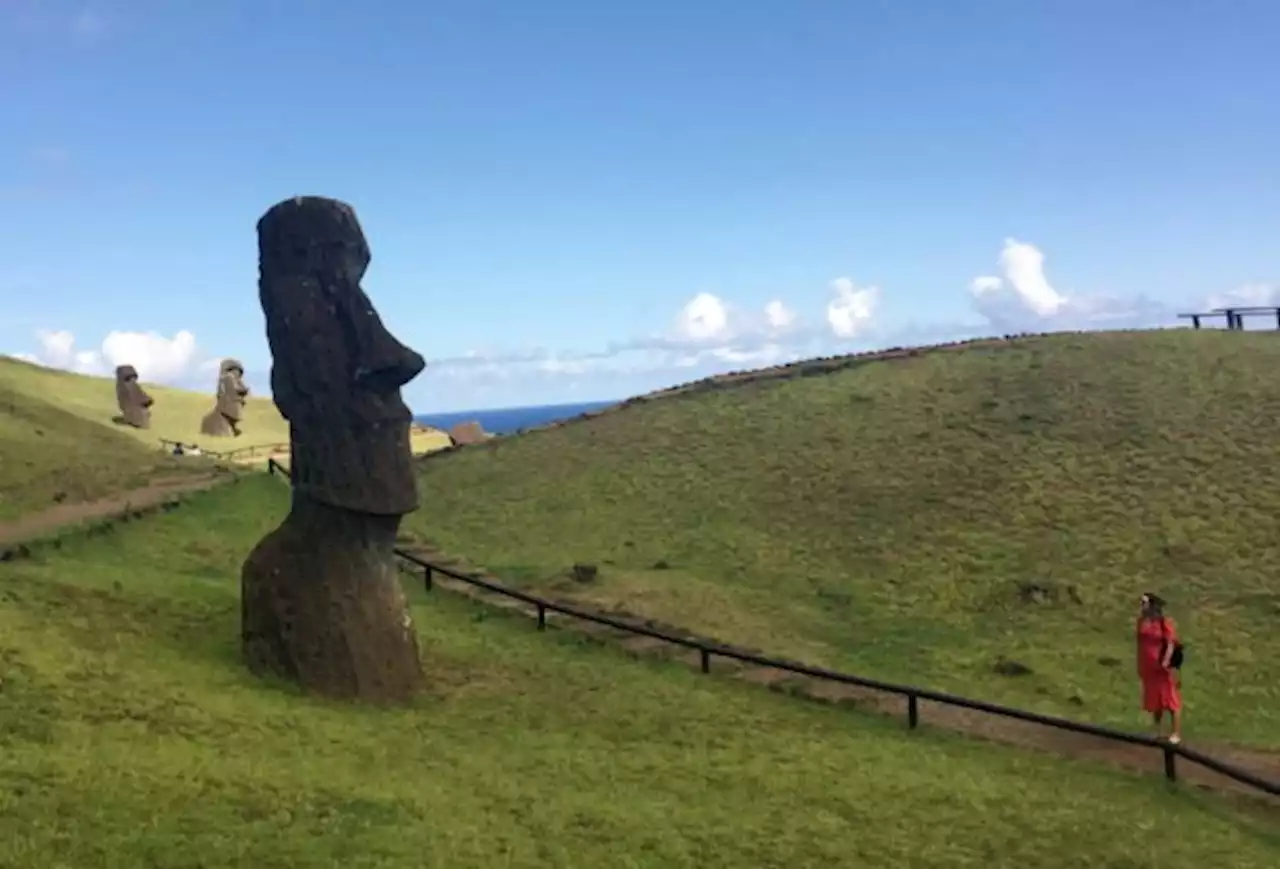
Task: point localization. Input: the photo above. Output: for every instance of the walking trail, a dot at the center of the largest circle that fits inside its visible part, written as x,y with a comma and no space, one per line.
33,526
969,722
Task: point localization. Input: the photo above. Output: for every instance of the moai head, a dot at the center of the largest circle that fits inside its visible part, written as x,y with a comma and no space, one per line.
133,400
336,371
232,390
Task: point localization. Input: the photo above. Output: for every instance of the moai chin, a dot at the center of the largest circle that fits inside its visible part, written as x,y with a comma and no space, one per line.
224,420
135,404
321,598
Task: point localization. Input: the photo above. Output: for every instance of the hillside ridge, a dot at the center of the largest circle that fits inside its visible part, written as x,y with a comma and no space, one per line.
814,366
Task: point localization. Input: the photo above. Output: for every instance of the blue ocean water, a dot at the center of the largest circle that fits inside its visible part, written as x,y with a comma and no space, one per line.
505,420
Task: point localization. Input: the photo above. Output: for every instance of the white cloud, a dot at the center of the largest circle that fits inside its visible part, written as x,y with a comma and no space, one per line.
57,350
1025,288
1024,299
778,316
706,333
704,318
852,308
1023,266
985,286
157,358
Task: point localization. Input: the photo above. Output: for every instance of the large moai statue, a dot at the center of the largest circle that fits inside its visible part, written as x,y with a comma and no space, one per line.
224,420
135,404
321,599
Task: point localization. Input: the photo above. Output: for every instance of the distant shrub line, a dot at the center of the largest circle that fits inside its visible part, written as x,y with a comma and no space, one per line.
708,649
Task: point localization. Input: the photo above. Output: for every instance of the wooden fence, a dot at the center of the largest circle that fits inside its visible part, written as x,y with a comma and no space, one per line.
708,650
259,450
229,455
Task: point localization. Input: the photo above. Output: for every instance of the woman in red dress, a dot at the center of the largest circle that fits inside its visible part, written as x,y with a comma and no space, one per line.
1156,638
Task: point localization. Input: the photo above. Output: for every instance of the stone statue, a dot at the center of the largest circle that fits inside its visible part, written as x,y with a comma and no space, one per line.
135,404
224,420
467,433
321,599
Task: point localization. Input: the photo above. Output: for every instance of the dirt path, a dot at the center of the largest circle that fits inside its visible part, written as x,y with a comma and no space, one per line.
158,491
975,724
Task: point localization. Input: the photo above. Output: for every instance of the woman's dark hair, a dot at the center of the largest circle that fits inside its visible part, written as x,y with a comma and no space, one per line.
1153,603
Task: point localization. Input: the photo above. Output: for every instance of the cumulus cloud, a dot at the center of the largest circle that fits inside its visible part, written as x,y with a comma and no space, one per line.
779,318
706,334
1025,288
1024,299
57,350
704,318
157,358
851,309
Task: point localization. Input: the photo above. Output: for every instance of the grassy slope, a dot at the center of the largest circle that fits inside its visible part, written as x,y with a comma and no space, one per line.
175,416
132,736
881,519
39,442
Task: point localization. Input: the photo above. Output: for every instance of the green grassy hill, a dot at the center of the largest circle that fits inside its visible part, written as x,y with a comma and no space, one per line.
922,519
50,456
131,735
175,416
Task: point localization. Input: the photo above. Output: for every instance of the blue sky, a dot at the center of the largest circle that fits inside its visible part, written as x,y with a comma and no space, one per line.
581,200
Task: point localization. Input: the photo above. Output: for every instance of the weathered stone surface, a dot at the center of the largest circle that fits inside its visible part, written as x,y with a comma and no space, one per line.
135,404
321,601
224,420
467,433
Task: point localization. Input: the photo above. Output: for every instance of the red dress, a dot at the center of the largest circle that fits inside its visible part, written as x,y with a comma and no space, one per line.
1159,686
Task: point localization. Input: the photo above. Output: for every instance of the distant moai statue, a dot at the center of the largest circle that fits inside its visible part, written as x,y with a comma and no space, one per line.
321,598
135,404
224,420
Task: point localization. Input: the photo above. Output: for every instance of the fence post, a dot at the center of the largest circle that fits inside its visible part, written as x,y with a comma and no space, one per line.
1170,763
913,711
542,616
706,659
426,576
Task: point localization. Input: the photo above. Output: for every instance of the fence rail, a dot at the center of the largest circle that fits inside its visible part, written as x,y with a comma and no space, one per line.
226,455
258,449
707,650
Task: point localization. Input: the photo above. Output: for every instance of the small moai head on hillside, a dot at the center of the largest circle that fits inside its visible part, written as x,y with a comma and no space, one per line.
135,404
232,390
336,370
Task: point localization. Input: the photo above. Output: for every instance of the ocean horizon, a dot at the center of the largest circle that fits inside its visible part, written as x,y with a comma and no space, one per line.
506,420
